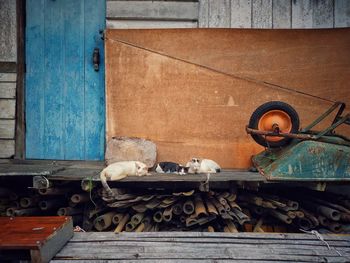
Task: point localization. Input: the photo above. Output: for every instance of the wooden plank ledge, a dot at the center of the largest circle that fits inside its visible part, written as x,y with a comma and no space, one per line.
76,171
42,236
203,247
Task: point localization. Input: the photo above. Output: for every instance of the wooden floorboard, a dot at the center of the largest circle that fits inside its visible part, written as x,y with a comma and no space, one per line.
204,247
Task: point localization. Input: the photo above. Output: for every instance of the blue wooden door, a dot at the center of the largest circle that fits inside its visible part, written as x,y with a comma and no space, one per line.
65,105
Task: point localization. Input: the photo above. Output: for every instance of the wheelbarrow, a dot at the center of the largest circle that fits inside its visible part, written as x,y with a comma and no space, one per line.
293,154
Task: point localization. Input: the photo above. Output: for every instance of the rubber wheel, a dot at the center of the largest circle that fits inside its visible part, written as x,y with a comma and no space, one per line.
270,113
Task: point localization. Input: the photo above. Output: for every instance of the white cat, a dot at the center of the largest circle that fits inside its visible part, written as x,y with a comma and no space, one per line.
119,170
202,166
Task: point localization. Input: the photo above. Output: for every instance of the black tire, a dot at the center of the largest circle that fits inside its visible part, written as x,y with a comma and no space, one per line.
266,107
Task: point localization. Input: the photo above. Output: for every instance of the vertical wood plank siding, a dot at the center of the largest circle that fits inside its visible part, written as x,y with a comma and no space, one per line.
8,77
219,13
281,14
8,31
228,14
152,14
241,13
7,114
342,13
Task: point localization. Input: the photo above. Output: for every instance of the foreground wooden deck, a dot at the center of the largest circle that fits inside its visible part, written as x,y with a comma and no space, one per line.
203,247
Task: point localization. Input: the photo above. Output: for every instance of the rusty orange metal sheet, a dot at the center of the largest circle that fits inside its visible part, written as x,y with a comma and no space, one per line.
192,91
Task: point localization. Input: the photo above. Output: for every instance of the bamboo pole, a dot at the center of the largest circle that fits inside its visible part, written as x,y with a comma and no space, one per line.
104,221
80,198
299,214
177,208
311,217
188,207
158,216
291,214
130,226
168,214
50,204
283,217
140,208
26,202
137,218
226,229
11,211
140,228
210,229
210,207
257,227
345,217
147,222
239,216
218,206
26,211
231,226
191,220
200,210
305,223
323,220
54,191
122,223
335,227
117,218
69,211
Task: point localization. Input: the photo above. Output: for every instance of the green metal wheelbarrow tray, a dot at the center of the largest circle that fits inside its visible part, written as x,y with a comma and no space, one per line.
303,155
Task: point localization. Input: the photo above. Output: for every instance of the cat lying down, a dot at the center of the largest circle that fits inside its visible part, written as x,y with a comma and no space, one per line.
196,166
170,167
119,170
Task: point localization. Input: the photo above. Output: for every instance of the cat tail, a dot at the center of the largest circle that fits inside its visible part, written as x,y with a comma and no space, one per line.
103,179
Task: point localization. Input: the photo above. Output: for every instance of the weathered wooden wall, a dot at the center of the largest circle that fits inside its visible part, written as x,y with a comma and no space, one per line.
197,101
8,37
8,57
228,14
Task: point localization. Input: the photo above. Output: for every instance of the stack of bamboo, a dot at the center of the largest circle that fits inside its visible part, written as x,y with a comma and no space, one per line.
183,211
52,201
286,210
221,211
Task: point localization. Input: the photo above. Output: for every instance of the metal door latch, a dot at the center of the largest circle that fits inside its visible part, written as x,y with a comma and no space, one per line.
96,58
